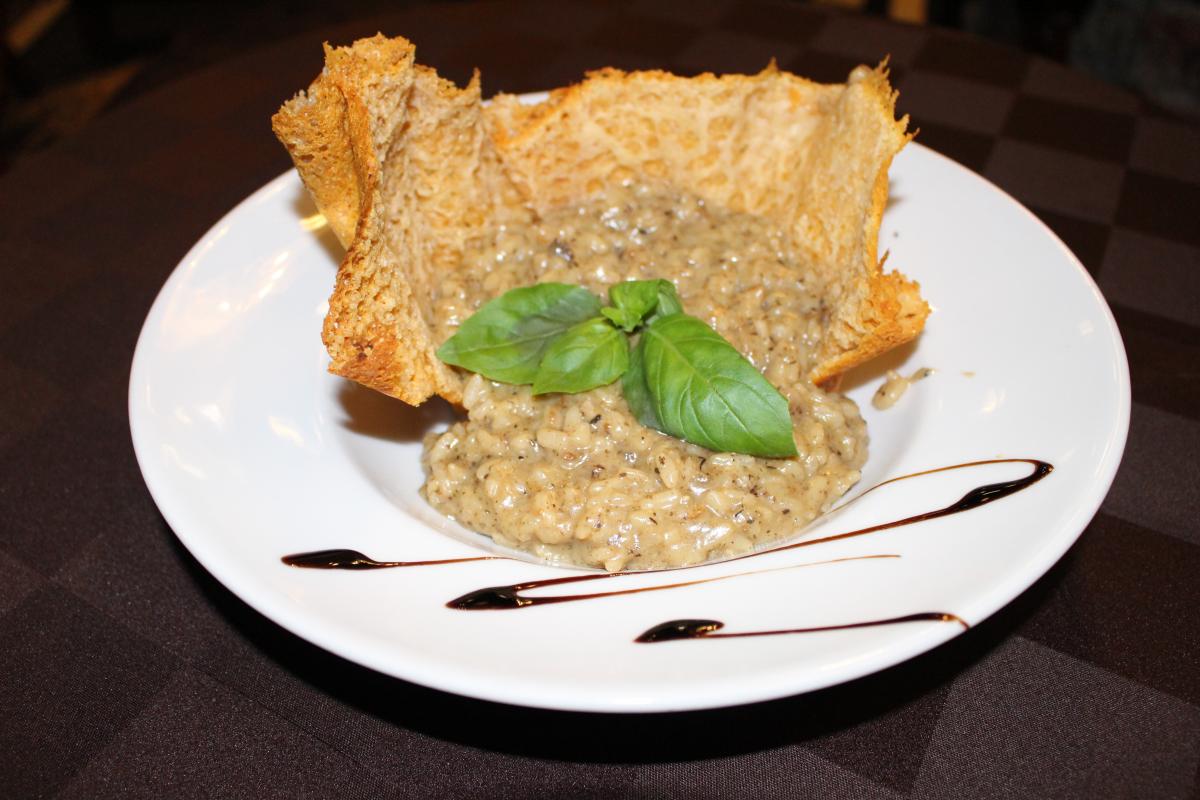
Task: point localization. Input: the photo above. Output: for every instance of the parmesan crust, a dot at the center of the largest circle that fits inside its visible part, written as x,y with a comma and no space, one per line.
406,167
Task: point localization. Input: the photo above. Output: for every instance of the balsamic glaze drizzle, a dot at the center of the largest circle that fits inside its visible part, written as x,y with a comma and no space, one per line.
979,496
706,628
352,559
495,598
511,597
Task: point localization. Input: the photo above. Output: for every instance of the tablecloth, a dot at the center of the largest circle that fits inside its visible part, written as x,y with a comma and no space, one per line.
127,671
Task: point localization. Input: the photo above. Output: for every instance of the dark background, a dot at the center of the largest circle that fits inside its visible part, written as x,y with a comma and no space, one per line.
126,670
64,63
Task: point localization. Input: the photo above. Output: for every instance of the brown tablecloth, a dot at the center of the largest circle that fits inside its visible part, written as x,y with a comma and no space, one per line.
126,670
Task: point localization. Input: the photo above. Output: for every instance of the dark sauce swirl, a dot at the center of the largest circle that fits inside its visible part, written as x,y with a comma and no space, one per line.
352,559
496,598
979,496
678,629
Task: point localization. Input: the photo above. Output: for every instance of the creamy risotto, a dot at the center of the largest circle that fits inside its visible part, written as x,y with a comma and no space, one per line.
576,478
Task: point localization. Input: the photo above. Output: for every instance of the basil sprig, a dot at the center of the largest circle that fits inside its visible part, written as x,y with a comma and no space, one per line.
681,378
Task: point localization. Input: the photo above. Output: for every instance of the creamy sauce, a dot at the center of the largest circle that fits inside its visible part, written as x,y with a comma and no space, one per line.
575,478
895,386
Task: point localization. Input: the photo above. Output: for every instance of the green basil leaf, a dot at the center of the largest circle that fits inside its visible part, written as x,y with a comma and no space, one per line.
706,392
636,299
591,354
668,300
623,318
506,338
633,386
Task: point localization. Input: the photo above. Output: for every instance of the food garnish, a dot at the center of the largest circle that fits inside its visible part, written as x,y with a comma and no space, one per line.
683,378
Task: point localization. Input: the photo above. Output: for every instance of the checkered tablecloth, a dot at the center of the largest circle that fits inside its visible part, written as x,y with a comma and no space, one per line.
127,671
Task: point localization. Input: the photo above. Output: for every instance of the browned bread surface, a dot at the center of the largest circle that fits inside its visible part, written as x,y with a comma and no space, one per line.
400,163
406,166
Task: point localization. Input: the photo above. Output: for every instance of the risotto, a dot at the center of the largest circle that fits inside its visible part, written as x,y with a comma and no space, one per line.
576,478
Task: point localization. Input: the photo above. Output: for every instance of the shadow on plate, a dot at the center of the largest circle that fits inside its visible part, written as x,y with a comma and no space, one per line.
371,413
305,208
875,370
862,720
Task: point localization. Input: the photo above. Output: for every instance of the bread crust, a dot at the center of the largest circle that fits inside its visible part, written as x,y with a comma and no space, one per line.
406,166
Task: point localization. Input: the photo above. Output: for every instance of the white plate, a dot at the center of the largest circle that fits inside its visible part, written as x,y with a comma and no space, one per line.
252,451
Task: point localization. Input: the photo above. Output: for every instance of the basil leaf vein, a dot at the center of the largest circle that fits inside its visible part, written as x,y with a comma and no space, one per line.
704,391
506,338
592,353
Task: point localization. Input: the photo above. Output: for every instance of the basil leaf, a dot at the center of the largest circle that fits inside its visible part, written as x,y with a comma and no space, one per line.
635,300
706,392
506,338
633,386
591,354
623,318
668,300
